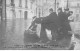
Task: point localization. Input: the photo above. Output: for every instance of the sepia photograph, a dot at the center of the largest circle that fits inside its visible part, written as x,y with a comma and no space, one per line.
39,24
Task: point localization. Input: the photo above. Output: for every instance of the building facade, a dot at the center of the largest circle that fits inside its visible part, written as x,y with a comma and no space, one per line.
17,9
73,5
29,8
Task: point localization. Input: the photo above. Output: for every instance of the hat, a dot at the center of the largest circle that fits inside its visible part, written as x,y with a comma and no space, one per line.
67,9
34,17
51,9
59,8
70,11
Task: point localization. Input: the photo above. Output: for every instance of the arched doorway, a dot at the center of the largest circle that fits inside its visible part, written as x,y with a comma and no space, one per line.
25,15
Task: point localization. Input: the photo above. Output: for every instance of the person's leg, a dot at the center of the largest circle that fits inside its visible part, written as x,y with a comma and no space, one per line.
54,35
48,32
38,30
43,36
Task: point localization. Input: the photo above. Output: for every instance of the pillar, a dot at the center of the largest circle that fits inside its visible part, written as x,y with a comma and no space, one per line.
20,3
3,10
26,3
0,9
13,9
67,4
20,13
55,5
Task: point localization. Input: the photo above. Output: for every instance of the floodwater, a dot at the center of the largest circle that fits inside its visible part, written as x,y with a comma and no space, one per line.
12,34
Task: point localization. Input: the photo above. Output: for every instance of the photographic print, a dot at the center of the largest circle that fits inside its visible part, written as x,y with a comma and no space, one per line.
39,24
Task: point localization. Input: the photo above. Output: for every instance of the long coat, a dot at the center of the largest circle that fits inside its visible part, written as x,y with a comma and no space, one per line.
51,23
64,23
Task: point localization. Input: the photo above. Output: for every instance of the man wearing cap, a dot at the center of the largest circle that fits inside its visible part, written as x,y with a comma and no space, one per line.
61,19
50,23
60,16
66,26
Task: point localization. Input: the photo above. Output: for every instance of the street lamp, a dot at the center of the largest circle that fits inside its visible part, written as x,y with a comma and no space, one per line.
20,3
39,12
32,1
67,3
55,5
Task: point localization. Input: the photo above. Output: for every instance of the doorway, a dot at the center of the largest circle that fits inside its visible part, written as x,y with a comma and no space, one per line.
25,15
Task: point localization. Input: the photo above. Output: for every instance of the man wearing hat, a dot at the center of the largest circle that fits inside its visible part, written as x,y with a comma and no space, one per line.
61,19
63,22
67,14
66,26
60,15
49,23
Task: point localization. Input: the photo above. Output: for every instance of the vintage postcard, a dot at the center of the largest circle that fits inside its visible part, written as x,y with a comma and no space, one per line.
39,24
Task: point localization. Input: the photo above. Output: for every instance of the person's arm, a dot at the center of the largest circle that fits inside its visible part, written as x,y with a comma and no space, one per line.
31,26
70,18
45,19
68,15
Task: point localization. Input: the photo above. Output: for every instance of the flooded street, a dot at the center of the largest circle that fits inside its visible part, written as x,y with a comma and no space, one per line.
39,24
12,32
13,36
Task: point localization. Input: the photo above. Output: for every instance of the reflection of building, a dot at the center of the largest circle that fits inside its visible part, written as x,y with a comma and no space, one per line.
16,8
2,9
39,8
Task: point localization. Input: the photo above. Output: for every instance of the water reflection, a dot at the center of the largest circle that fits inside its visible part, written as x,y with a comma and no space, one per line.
13,34
2,33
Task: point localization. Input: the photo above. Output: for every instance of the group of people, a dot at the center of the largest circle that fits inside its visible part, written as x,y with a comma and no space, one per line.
57,24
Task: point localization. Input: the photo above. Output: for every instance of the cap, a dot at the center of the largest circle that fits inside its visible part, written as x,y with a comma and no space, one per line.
51,9
59,8
67,9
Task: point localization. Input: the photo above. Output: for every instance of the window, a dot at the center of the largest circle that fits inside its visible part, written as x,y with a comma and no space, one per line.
78,4
25,3
20,3
0,2
12,2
